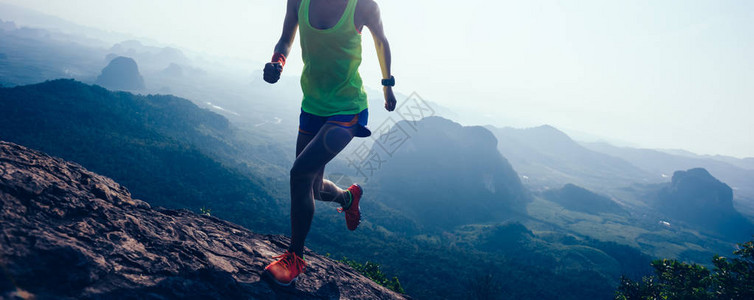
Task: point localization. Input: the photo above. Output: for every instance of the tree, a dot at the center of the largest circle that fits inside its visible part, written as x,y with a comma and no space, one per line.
730,279
485,287
735,277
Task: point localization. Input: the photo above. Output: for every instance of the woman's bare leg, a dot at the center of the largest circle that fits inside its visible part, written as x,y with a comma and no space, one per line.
306,172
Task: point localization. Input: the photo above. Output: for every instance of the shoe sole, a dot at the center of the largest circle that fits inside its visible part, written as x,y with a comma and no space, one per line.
269,276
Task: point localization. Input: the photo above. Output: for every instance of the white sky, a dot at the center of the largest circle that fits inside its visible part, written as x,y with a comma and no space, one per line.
655,73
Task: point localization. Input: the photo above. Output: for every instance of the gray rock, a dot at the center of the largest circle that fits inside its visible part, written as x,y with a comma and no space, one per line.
66,232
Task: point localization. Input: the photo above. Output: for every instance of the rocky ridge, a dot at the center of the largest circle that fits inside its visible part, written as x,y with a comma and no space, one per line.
66,232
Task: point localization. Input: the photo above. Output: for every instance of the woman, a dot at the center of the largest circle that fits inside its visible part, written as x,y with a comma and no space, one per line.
333,111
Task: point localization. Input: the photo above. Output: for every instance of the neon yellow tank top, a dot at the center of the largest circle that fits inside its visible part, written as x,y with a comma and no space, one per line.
330,81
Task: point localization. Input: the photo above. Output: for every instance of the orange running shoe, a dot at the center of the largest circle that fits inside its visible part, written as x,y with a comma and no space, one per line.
353,212
286,270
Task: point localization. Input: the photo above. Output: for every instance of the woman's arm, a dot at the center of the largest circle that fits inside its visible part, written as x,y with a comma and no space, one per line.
289,29
273,69
374,23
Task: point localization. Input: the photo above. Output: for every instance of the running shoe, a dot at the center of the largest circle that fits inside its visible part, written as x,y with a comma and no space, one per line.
286,269
353,212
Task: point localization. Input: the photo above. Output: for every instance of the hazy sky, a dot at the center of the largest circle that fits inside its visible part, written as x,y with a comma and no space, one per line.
658,74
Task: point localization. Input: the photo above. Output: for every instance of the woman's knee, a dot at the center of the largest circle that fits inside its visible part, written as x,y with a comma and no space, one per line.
299,173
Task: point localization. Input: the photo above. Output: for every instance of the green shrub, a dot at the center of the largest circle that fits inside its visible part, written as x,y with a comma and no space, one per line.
205,211
730,279
372,271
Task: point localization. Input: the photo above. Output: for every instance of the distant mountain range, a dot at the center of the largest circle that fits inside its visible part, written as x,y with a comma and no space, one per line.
659,163
170,152
662,163
547,158
31,55
744,163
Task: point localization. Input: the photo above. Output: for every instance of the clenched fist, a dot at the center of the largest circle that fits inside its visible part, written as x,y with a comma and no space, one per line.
272,72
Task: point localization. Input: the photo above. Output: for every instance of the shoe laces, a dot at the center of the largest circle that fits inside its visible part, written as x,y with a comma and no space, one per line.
290,260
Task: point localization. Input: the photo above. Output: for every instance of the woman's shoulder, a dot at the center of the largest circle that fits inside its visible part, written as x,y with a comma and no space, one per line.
366,5
366,10
294,3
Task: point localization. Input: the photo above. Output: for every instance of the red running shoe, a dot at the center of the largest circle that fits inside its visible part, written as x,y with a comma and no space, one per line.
286,270
353,213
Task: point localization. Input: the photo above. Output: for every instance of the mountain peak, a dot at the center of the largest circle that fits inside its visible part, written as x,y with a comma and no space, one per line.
121,73
70,233
697,173
551,132
697,182
457,176
547,127
696,197
540,136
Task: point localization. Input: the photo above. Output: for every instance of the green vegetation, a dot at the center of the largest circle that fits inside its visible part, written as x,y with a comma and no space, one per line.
164,149
579,199
524,265
640,229
730,279
372,271
205,211
485,287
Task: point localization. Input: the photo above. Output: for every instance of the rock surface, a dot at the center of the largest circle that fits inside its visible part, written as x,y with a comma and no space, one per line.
66,232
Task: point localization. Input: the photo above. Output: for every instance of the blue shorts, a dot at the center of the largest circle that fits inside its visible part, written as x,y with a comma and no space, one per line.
310,124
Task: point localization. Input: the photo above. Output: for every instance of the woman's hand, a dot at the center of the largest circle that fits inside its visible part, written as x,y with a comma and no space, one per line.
272,72
389,98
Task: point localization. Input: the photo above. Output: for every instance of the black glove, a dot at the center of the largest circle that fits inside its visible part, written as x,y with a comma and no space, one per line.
272,72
